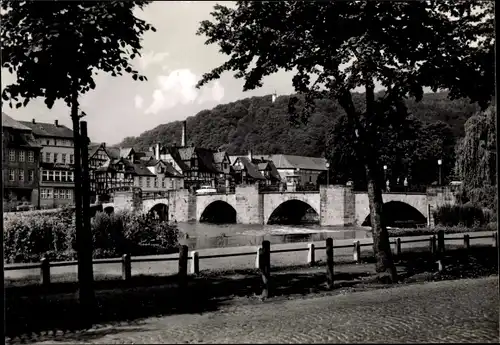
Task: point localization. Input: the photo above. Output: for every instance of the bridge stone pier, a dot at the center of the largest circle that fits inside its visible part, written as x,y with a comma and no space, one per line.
333,204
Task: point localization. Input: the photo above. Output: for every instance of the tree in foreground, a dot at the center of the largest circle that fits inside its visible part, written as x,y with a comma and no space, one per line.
55,49
334,47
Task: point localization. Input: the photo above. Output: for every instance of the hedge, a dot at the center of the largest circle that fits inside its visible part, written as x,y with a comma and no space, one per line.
28,238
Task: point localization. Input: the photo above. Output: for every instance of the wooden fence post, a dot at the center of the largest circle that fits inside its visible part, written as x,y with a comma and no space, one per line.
45,271
467,241
126,267
432,244
357,252
329,263
265,267
440,238
310,255
398,247
183,265
195,262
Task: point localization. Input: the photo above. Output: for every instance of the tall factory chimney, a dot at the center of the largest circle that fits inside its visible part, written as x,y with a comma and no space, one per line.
184,139
157,151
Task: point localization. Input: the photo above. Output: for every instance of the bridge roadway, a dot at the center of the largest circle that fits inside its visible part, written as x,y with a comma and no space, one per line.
446,311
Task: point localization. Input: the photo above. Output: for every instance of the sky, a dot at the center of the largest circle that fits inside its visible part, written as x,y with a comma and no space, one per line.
173,59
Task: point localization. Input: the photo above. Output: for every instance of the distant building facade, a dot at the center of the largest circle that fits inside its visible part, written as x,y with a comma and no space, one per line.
20,173
56,163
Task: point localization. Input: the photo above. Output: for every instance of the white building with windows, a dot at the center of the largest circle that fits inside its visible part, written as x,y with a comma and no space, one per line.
56,163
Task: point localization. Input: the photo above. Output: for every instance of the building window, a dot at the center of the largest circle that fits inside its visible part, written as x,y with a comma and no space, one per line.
71,176
43,193
56,193
55,157
310,178
163,183
47,142
63,159
31,175
12,155
71,159
22,156
12,174
49,193
148,182
45,175
31,156
21,175
51,175
69,193
156,182
47,157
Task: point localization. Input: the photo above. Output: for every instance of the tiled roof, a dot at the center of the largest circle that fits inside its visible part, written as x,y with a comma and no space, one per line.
125,152
9,122
219,156
206,160
186,153
113,152
141,170
49,129
296,162
170,170
251,168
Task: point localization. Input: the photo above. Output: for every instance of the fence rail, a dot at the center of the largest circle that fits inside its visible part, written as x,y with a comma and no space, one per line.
436,244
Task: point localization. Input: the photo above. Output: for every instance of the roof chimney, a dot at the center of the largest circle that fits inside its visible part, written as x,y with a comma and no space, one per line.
157,151
104,145
56,123
184,139
33,121
250,155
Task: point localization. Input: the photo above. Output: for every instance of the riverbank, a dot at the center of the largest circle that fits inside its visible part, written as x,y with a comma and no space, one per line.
145,296
294,258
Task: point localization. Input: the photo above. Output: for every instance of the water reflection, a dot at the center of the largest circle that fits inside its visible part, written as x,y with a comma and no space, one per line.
206,235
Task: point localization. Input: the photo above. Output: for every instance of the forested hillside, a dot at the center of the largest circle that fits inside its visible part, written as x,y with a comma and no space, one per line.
258,124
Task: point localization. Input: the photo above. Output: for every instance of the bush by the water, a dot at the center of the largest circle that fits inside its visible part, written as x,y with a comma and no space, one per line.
28,238
466,215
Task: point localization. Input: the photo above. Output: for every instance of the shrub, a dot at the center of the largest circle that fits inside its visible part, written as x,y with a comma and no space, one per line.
467,215
28,238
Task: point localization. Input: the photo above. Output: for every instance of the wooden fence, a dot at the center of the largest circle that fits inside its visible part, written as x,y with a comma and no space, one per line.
262,260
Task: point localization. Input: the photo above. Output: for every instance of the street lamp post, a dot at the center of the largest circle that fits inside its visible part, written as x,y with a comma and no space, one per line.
385,174
440,162
327,173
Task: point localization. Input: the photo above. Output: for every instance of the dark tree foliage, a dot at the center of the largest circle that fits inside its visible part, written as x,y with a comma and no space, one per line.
410,152
334,47
55,49
272,132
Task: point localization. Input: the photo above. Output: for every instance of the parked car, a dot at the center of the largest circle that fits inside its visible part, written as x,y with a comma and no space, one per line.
25,206
206,190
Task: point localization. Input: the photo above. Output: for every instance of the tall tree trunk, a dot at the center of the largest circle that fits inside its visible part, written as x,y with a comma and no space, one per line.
84,272
381,245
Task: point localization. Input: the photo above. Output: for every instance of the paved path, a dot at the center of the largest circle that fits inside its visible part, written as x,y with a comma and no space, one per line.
448,311
241,262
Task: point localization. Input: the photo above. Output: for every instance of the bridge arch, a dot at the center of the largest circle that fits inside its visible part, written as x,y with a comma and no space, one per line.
109,209
399,214
218,212
159,211
294,212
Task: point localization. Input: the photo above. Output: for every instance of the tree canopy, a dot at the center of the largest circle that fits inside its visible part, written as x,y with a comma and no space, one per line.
50,45
258,124
334,47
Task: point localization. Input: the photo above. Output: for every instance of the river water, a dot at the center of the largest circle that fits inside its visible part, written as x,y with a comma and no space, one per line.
208,235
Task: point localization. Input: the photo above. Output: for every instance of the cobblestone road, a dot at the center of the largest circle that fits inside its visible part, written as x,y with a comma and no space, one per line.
448,311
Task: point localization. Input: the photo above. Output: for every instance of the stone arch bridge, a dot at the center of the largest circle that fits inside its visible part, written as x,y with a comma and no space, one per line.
333,205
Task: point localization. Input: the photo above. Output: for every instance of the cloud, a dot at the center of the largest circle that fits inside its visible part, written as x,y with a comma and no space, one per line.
138,100
179,87
152,58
